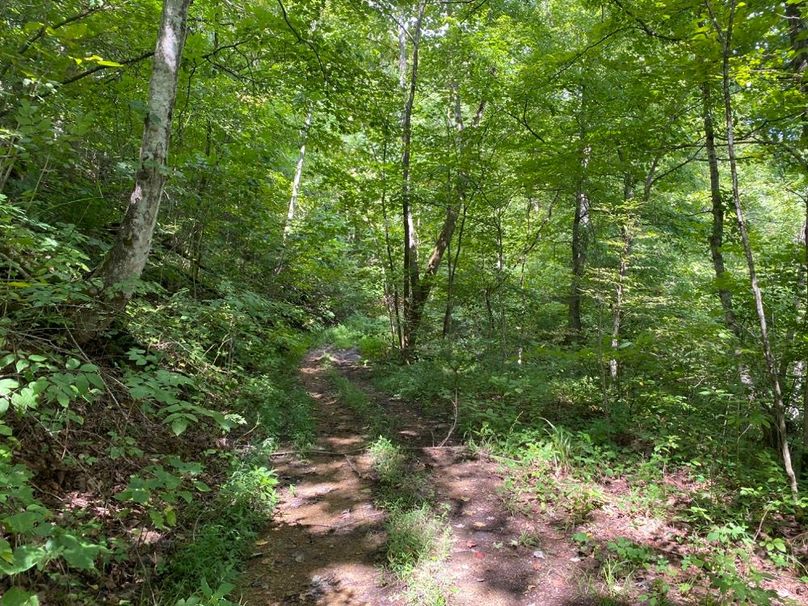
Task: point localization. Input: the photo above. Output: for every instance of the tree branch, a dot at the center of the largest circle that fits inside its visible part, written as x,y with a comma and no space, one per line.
302,40
99,68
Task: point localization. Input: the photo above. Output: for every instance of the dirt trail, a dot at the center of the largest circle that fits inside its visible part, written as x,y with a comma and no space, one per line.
326,544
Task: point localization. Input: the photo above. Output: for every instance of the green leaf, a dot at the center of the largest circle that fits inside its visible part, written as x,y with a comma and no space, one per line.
6,552
31,26
26,398
179,425
7,386
23,522
25,558
78,553
157,519
19,597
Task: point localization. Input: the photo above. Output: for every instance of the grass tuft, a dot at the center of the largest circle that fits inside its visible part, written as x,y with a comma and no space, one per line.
419,541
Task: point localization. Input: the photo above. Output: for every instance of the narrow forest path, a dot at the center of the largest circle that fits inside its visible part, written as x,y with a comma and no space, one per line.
326,545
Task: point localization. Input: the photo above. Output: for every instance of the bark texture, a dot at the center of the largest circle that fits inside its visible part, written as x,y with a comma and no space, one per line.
627,239
717,243
298,176
124,263
417,287
779,411
411,278
580,233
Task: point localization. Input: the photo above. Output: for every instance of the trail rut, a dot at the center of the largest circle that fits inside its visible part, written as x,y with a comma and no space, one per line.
326,543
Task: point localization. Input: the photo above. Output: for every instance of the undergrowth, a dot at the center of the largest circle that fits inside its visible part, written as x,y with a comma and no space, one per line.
134,469
418,533
723,529
223,534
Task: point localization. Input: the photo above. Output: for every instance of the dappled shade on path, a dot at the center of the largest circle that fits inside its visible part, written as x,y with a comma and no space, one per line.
326,544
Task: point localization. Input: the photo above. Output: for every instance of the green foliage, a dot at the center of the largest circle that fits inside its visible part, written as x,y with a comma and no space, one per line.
225,532
153,385
418,543
180,366
388,461
36,541
159,490
416,535
367,334
522,110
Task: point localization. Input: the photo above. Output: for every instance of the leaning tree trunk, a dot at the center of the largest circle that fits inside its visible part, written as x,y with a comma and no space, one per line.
422,286
768,355
124,263
298,176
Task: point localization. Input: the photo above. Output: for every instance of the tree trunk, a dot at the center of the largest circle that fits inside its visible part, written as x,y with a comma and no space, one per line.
580,240
717,243
421,289
391,289
416,288
580,234
301,156
799,44
627,238
200,216
799,65
717,233
410,286
447,315
771,364
124,263
804,467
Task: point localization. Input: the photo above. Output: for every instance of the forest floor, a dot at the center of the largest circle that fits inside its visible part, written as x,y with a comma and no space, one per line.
331,541
327,542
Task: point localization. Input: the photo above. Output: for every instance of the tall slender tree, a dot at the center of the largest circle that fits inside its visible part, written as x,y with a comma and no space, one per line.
123,264
725,37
